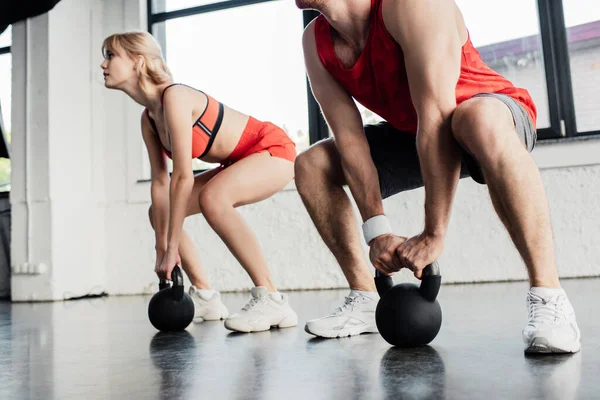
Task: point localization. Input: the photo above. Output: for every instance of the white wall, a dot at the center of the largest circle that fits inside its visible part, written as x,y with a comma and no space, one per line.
88,212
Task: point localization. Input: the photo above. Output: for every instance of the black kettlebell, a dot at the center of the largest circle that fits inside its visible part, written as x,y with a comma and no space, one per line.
408,315
171,309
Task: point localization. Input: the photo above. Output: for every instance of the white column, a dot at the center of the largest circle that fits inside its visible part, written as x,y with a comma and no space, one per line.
58,154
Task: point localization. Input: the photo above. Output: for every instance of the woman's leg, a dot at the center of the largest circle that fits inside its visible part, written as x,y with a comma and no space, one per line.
250,180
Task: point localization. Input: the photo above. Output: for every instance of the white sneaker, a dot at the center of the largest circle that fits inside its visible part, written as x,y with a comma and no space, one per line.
552,327
355,316
263,311
207,308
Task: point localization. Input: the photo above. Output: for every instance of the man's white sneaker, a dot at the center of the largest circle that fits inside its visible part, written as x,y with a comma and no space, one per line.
263,311
355,316
208,306
552,327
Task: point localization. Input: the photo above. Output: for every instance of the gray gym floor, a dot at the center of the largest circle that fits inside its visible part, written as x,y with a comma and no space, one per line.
105,348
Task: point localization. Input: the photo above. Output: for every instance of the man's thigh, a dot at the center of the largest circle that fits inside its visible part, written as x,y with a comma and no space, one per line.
395,156
523,127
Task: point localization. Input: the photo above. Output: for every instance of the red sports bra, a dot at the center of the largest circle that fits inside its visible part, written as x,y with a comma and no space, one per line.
204,130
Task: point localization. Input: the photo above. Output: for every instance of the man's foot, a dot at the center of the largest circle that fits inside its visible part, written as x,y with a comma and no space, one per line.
263,311
355,316
552,327
208,305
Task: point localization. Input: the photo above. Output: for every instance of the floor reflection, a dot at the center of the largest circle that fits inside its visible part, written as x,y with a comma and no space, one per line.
417,373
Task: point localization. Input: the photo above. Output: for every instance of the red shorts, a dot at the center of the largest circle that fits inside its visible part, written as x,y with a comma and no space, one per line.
262,136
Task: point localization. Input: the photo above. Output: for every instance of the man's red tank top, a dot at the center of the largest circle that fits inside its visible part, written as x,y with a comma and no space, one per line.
378,80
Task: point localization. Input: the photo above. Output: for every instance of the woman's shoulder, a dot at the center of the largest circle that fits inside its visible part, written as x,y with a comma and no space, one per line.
181,94
174,91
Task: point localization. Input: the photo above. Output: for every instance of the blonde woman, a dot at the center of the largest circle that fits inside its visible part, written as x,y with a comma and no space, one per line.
256,161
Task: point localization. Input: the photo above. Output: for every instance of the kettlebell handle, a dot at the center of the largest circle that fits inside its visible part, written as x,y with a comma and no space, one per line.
430,282
383,283
432,269
177,289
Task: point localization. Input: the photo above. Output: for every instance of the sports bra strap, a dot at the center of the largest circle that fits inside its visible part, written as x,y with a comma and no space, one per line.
162,96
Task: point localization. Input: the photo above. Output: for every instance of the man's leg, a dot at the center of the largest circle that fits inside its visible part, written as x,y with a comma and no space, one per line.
484,127
489,130
320,181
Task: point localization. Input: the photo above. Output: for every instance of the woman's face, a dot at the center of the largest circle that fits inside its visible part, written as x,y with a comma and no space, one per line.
117,69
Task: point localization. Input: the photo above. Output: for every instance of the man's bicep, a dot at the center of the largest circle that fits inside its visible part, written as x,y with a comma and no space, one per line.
428,34
337,105
339,110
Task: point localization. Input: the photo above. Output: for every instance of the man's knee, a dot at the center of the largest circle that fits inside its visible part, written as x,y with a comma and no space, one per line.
320,162
483,127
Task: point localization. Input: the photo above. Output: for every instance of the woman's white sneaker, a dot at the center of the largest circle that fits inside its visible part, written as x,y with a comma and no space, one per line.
263,311
208,305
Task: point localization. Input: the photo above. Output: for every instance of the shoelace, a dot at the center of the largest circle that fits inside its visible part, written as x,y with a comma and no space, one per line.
349,303
549,310
253,301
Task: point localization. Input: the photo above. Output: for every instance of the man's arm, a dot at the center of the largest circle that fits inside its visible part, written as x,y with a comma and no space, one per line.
429,36
345,121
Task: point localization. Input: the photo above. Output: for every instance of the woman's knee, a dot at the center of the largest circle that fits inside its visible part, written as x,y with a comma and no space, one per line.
213,204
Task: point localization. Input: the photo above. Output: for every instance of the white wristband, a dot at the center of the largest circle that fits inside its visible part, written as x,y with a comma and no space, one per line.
376,226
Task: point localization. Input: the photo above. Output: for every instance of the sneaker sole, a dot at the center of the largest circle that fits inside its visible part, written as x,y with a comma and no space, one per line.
287,322
212,317
334,334
541,346
199,320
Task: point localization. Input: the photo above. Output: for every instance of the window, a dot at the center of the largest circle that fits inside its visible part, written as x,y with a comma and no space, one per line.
174,5
5,104
509,42
368,116
5,89
259,73
6,38
582,19
551,51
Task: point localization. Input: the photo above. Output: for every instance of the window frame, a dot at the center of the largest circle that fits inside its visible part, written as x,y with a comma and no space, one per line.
4,146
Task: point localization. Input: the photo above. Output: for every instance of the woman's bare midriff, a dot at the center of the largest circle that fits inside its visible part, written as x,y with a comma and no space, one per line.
228,136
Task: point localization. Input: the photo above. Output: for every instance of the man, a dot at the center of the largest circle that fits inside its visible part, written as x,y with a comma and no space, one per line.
412,62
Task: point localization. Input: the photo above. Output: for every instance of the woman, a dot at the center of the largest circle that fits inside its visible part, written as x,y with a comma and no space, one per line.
256,161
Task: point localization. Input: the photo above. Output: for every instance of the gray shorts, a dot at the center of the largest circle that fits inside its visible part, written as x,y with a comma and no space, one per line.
395,156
